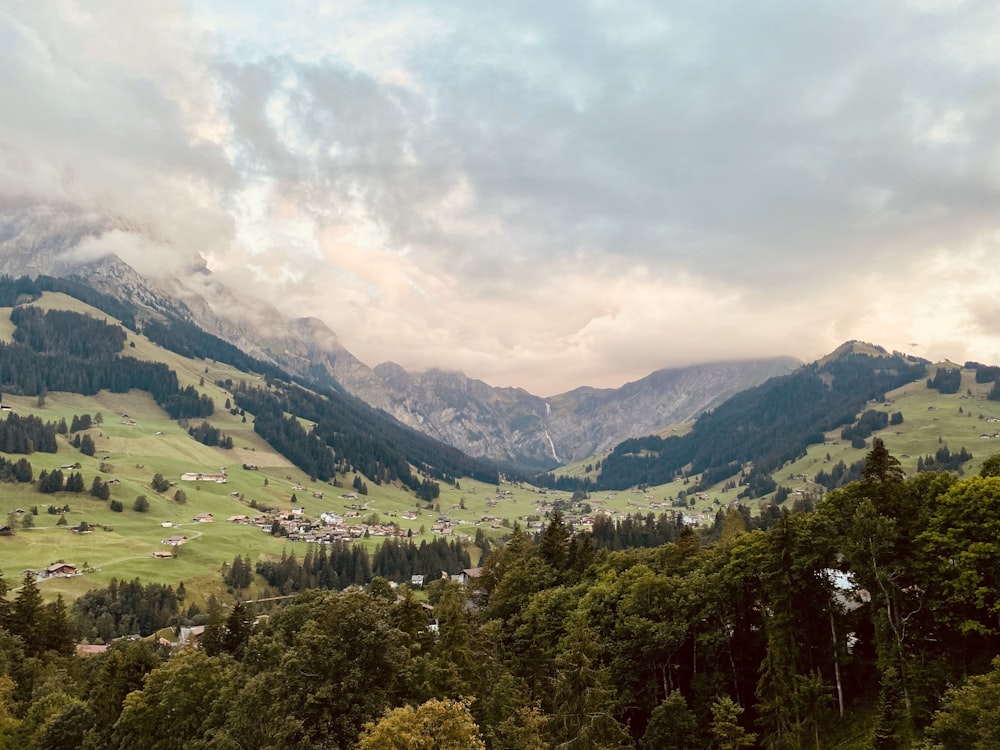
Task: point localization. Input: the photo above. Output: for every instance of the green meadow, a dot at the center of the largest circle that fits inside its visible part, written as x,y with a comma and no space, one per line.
135,440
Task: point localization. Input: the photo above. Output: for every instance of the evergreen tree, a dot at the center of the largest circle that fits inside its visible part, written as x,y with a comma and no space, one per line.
25,618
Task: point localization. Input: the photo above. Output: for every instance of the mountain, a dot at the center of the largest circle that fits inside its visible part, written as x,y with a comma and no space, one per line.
760,429
508,425
512,425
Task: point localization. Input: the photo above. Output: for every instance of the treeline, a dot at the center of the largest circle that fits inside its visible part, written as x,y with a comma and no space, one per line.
399,560
946,380
944,460
21,290
870,421
332,567
635,531
207,434
68,333
26,434
126,608
767,425
16,471
30,372
839,475
360,438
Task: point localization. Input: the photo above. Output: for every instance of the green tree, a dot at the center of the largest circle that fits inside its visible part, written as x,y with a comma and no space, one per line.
433,725
990,467
672,726
121,671
178,705
100,489
26,615
582,698
239,625
317,672
725,729
141,504
969,717
159,484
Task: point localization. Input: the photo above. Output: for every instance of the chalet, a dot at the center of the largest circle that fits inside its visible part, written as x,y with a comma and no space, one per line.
62,570
204,518
173,541
470,574
161,554
191,635
416,580
239,519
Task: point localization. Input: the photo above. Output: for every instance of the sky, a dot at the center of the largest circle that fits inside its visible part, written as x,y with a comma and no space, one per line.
540,194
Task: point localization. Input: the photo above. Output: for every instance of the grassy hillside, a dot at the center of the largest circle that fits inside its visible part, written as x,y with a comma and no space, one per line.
136,439
930,420
132,448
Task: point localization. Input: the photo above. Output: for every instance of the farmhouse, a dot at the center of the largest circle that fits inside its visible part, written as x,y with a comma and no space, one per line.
162,553
470,574
61,569
175,540
204,518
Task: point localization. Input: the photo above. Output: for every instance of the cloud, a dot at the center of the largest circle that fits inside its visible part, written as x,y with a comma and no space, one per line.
543,195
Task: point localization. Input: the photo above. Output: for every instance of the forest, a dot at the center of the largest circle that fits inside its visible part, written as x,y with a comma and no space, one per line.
869,621
66,351
361,439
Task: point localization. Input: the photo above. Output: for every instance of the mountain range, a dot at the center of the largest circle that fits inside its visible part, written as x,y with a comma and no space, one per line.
507,425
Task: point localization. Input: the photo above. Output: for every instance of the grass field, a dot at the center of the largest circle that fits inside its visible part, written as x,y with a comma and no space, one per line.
132,448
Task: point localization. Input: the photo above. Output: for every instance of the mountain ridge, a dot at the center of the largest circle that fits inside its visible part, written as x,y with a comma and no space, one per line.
509,425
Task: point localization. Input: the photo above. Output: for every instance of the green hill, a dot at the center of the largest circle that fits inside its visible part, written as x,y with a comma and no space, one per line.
134,439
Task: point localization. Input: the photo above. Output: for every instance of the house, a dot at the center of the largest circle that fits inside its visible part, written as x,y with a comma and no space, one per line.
416,580
191,635
161,554
239,519
204,518
173,541
61,569
470,574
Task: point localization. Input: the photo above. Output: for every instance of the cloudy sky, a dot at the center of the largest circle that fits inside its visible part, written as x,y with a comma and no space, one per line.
543,194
